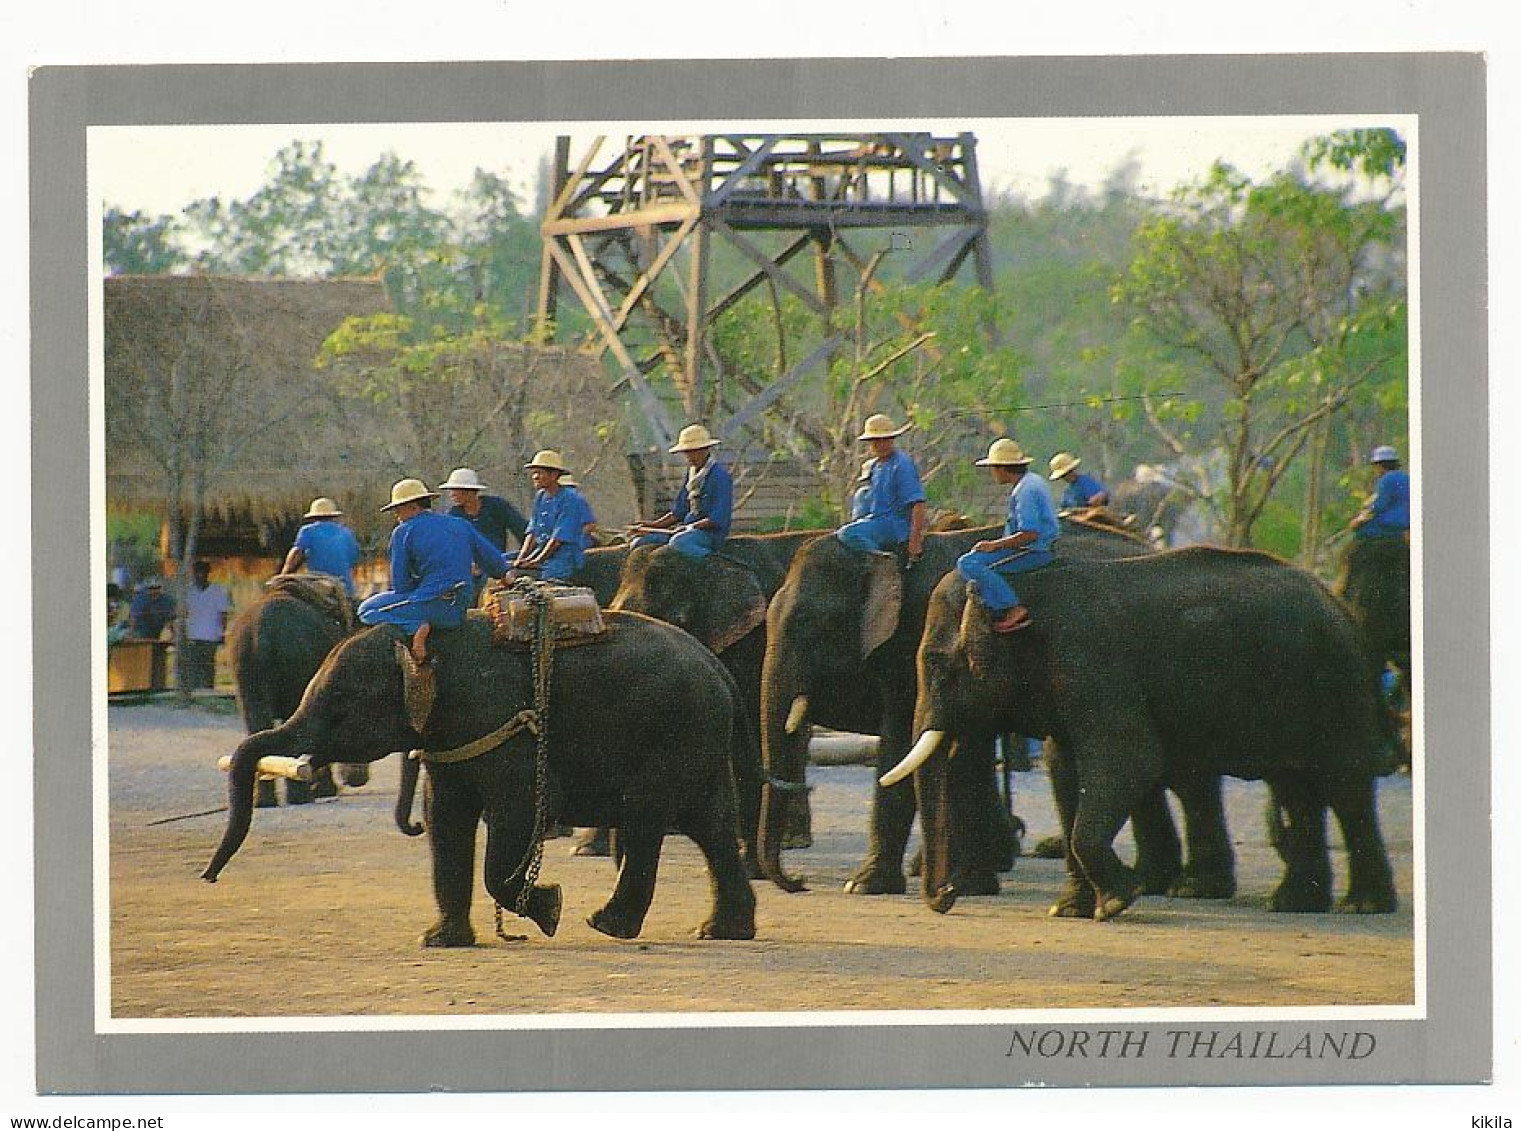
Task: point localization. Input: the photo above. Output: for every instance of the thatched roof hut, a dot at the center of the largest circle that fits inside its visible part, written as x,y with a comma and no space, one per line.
222,375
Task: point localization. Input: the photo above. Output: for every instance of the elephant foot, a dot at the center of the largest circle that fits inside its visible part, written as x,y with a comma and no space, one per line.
1157,881
980,881
916,864
873,879
297,793
1112,903
728,927
1050,848
943,900
1300,898
355,775
591,842
1357,903
323,787
544,904
1202,885
264,795
449,932
612,923
1077,901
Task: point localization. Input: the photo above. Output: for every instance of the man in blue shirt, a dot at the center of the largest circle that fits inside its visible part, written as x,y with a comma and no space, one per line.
1387,513
325,545
588,517
432,556
150,611
492,515
895,513
555,545
1028,535
1083,490
699,518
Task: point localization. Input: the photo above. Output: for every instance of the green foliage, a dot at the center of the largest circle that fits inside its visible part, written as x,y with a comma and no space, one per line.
136,244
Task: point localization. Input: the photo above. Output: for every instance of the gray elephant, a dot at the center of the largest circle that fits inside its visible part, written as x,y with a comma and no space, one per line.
276,646
722,600
1374,582
842,633
1169,669
642,734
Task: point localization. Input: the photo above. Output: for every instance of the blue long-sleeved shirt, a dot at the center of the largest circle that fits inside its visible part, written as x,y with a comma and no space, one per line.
558,516
1030,509
331,548
895,488
1390,507
432,553
1082,488
715,502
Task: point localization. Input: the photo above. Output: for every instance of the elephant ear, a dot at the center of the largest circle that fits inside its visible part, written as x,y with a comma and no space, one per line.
419,687
884,603
737,605
976,632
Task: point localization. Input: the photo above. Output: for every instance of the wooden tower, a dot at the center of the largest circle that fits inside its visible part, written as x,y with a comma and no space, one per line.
660,240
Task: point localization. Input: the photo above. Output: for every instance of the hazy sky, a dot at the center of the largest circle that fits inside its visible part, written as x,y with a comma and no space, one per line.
160,169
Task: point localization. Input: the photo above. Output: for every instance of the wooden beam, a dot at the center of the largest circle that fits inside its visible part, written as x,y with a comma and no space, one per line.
768,395
750,284
648,276
915,154
668,159
945,250
553,213
653,216
732,179
771,269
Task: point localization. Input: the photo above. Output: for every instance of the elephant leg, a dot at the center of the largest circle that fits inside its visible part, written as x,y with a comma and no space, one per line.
733,915
1111,779
1158,851
354,774
509,831
1211,869
622,916
265,796
453,810
1297,819
323,784
892,818
982,837
1370,889
1078,899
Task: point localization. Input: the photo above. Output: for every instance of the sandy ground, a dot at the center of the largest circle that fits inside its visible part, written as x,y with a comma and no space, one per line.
321,912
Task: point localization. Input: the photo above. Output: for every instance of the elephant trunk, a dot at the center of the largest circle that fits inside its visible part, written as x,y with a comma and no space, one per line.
928,761
410,766
784,752
240,794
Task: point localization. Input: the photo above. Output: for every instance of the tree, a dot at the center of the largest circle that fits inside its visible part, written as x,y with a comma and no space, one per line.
136,244
1288,296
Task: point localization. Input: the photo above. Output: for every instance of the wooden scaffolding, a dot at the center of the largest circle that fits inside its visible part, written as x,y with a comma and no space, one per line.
638,240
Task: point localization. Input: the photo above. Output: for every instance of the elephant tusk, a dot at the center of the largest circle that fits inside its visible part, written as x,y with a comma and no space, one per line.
797,714
272,766
919,755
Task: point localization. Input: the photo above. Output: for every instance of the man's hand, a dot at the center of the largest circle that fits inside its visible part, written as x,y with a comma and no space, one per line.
985,547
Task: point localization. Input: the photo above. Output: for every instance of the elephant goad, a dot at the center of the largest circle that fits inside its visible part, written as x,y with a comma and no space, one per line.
842,634
643,732
276,646
1169,669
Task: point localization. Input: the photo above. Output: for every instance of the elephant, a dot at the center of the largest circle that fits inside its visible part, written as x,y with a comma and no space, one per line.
842,633
276,646
1374,582
642,734
721,600
1173,668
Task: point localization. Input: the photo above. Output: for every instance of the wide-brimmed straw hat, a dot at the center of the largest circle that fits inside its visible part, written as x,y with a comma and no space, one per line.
462,479
693,438
408,491
1063,462
1384,454
881,427
1005,453
547,460
322,507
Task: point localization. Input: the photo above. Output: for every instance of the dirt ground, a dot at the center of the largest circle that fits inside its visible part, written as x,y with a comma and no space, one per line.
321,911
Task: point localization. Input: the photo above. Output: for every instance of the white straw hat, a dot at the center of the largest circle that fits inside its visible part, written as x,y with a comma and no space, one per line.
694,437
462,479
1063,462
408,491
547,460
881,427
1005,453
322,507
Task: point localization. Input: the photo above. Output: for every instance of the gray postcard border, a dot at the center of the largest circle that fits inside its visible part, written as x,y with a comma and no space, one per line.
1446,91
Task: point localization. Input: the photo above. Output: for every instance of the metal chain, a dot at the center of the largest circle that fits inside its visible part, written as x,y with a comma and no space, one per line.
543,669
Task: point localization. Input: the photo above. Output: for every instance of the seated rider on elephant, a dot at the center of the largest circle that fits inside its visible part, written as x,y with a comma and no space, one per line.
325,545
555,545
1029,533
895,513
431,559
699,518
1083,490
1387,513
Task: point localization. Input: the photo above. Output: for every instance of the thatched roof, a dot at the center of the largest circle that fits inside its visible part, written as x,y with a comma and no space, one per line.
222,373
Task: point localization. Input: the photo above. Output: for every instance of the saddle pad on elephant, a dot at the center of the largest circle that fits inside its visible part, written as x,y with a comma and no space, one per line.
573,612
325,594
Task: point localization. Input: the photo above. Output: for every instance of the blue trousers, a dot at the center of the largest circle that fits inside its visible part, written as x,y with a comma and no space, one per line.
689,543
872,534
390,607
989,571
561,566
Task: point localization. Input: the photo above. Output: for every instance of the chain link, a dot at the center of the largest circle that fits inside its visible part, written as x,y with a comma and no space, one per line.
538,595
